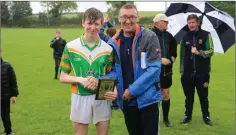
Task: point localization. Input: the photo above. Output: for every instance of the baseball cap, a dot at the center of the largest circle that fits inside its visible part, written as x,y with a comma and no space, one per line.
160,17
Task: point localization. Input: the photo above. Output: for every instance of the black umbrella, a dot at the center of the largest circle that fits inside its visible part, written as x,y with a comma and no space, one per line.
217,22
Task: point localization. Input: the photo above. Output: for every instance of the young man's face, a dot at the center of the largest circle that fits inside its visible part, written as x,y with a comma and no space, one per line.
92,28
58,34
128,18
193,24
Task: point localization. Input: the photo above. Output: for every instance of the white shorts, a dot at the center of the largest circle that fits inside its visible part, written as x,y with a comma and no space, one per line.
85,109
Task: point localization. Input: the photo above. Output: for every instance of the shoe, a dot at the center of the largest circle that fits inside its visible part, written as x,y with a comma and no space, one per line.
114,107
207,121
186,120
10,134
168,123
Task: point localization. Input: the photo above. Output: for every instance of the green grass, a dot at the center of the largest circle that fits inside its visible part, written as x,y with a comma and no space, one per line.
43,106
72,15
141,14
149,13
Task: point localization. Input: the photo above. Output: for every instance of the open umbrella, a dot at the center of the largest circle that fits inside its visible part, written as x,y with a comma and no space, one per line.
217,22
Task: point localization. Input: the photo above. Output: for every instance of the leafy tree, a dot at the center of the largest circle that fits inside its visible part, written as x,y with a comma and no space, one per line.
113,11
19,12
4,12
57,8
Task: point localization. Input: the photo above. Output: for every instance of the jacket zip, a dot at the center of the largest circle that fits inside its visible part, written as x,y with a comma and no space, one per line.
163,51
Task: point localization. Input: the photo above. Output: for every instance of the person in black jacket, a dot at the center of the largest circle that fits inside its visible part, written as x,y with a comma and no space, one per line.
168,56
196,49
9,91
58,45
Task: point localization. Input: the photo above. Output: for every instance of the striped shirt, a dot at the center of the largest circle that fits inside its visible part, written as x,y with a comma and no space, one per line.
86,61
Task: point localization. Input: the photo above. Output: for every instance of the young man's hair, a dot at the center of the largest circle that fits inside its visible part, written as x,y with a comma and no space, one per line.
93,14
193,16
58,31
111,31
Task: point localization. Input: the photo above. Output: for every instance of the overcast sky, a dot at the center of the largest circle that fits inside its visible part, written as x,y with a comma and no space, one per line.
82,6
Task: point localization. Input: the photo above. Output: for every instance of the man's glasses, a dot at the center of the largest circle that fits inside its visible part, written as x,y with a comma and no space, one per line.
131,18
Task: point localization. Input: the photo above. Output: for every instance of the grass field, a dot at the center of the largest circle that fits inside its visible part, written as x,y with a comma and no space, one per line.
141,14
43,106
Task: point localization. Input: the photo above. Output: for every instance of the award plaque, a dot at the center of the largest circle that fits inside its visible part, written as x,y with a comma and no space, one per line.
104,85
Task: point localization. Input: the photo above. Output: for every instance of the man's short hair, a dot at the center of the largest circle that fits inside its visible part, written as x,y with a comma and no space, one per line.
93,14
193,16
111,31
129,6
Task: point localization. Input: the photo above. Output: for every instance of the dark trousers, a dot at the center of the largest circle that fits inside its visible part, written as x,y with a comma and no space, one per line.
57,65
5,114
142,122
201,82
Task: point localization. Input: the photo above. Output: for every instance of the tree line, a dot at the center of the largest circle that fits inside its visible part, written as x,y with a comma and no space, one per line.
19,13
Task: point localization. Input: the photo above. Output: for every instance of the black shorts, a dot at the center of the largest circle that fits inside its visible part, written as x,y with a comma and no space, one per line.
166,81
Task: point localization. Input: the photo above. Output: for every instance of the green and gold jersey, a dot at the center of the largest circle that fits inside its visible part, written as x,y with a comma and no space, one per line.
86,61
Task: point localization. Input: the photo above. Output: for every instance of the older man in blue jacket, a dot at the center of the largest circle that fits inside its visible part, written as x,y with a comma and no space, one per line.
137,70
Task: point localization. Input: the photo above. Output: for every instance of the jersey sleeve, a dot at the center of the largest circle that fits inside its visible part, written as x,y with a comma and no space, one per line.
65,65
209,48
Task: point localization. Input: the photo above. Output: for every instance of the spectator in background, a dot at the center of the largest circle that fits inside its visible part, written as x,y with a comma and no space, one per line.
9,92
111,31
58,44
196,50
168,56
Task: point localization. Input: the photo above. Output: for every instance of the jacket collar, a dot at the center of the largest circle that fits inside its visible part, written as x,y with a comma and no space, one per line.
158,31
195,32
138,29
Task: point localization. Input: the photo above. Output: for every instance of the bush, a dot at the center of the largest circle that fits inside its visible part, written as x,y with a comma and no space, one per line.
41,20
146,20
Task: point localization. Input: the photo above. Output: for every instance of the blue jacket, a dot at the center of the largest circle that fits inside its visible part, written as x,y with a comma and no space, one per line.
146,86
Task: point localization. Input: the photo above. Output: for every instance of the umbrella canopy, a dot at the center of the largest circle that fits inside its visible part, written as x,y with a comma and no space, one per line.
217,22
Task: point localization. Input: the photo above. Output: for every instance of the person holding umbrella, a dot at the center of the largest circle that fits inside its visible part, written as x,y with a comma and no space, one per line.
196,49
168,56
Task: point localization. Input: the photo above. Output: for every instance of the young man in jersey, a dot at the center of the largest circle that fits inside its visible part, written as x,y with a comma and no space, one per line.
90,58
